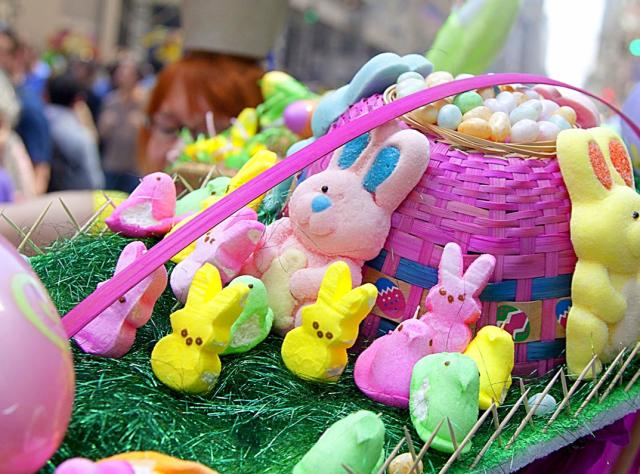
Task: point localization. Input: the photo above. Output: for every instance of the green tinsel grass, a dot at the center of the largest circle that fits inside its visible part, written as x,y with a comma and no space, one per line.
260,418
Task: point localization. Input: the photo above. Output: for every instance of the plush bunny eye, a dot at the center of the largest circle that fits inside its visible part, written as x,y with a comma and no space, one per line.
442,291
635,215
461,297
324,189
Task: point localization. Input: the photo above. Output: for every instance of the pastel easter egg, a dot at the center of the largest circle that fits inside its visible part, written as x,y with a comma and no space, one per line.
467,101
438,77
449,117
524,131
546,406
514,321
500,126
487,93
36,372
520,97
507,100
390,298
297,117
496,106
531,94
560,121
429,113
548,108
402,464
409,75
522,112
567,113
483,112
548,131
409,86
475,127
535,104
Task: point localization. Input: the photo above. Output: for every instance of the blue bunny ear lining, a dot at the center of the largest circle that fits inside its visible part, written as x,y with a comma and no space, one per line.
383,166
352,151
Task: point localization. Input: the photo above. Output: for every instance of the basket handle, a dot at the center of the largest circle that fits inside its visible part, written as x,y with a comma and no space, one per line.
163,251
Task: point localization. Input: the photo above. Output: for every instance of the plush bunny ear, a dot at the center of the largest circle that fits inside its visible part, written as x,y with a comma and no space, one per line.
619,161
336,282
356,155
479,272
205,285
357,303
396,168
583,165
450,267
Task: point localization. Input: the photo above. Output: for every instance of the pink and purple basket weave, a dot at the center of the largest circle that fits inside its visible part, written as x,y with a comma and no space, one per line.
513,208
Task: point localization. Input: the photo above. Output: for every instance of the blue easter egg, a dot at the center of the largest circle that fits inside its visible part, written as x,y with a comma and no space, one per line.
523,112
449,117
410,75
560,122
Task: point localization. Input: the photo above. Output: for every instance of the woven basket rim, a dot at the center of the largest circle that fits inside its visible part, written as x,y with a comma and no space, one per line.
535,150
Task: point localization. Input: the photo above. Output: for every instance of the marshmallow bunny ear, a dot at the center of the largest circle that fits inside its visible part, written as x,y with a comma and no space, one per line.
228,306
336,282
479,272
358,302
205,285
450,267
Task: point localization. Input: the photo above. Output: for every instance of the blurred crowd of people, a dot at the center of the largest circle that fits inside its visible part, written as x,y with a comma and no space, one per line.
69,129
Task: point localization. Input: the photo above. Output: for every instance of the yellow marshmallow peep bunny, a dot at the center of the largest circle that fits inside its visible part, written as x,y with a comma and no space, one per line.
187,360
317,350
605,232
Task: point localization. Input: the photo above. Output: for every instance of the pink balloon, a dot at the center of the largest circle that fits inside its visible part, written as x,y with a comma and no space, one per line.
36,369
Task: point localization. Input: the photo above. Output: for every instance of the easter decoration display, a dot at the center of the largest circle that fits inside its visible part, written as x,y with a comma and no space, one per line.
148,211
453,304
187,360
227,247
113,332
192,201
254,323
444,386
604,316
493,352
131,463
317,349
366,181
355,441
383,370
36,373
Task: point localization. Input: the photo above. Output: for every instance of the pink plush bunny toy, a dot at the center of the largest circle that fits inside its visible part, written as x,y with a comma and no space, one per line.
342,213
453,303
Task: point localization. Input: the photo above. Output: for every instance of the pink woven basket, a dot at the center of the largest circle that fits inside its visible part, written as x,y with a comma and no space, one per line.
513,208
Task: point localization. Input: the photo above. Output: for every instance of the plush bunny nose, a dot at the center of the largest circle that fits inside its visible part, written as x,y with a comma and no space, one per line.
320,203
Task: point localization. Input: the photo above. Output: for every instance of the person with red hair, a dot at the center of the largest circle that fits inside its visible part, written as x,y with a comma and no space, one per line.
225,44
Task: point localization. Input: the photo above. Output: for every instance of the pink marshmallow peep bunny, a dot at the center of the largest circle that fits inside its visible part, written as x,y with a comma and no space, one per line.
342,213
149,210
113,332
227,247
383,371
453,303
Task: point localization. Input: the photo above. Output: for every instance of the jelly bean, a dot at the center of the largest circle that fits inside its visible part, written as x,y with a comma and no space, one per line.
506,98
548,131
409,75
524,131
520,97
482,112
495,106
467,101
429,113
535,105
475,127
522,112
487,93
449,117
409,86
531,94
560,121
567,113
548,108
500,126
438,77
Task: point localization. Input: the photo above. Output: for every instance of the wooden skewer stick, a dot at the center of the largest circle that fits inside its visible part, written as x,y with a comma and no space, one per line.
348,469
526,403
184,182
34,226
632,381
416,312
412,450
496,419
424,449
452,434
620,372
466,439
69,215
392,456
573,389
94,217
20,233
207,178
533,410
565,392
605,376
497,432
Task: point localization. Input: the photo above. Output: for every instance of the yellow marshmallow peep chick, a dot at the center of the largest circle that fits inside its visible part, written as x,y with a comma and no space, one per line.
260,162
605,232
493,352
317,350
187,360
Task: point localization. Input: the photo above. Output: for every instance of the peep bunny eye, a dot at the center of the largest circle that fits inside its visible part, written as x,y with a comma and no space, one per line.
329,335
635,215
122,299
461,297
315,325
400,328
184,333
443,292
